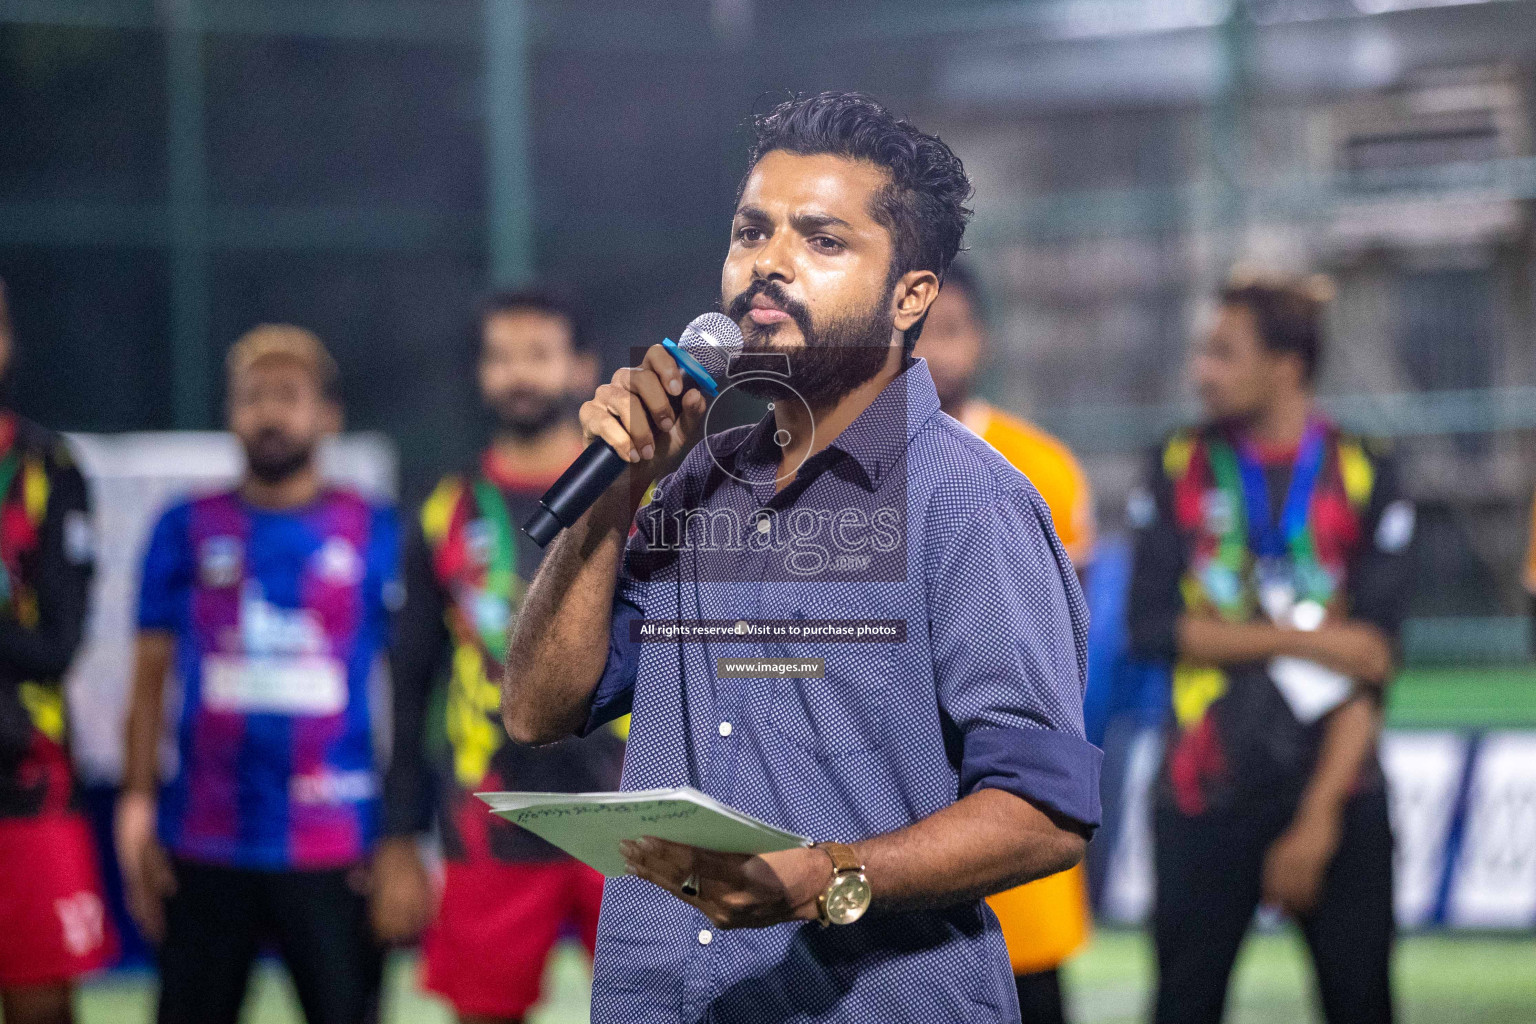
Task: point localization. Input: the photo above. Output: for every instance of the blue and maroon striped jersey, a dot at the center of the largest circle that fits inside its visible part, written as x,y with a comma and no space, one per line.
279,618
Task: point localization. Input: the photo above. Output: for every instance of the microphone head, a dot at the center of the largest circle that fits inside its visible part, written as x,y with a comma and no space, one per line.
714,340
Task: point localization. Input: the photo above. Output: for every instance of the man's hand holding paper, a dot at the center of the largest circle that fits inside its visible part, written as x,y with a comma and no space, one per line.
734,890
593,826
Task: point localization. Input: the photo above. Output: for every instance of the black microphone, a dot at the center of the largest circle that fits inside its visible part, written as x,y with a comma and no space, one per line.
704,354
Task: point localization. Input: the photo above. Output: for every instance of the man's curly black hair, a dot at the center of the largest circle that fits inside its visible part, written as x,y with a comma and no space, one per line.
923,207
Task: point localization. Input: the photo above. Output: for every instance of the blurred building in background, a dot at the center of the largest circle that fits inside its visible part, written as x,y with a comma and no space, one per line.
1386,144
177,170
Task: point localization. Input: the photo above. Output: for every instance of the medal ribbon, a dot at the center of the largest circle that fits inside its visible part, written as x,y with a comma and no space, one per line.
501,571
1292,534
1239,473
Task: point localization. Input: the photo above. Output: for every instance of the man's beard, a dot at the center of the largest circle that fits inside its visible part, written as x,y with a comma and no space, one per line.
272,456
834,360
1229,416
525,415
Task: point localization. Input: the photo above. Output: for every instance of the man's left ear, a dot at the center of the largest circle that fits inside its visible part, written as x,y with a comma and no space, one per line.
915,292
584,374
335,417
1296,371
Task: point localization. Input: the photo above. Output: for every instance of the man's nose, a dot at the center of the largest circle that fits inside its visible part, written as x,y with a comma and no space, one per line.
773,261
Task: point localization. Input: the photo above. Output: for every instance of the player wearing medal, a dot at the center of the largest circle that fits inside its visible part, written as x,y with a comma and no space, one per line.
268,604
53,926
506,893
1271,571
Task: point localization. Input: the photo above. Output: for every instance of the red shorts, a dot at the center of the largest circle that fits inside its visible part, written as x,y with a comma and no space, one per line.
51,910
487,949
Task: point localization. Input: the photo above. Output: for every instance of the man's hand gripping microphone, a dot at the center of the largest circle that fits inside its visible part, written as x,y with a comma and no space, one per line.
647,414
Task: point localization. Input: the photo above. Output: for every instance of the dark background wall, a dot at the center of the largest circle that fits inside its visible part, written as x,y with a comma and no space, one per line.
174,171
346,184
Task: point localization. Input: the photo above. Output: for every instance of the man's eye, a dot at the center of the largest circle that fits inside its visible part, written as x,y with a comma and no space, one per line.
826,244
750,234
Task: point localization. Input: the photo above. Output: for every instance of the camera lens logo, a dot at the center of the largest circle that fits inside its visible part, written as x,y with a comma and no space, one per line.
776,384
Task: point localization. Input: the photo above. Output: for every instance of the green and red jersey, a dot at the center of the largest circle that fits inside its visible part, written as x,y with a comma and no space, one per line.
1343,552
46,560
466,568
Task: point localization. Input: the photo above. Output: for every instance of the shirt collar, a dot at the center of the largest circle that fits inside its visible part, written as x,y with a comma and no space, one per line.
874,441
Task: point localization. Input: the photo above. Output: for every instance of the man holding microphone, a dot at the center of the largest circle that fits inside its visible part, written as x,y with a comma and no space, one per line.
932,771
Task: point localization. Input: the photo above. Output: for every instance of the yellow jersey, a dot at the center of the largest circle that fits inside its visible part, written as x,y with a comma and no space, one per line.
1530,556
1050,466
1045,921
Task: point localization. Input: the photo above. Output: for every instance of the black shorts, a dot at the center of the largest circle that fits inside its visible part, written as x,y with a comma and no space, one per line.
219,918
1209,876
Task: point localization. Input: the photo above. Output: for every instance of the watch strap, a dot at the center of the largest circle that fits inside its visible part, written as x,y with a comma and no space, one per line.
845,859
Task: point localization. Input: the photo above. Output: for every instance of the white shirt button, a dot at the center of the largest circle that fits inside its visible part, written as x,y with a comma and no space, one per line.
725,728
706,936
763,526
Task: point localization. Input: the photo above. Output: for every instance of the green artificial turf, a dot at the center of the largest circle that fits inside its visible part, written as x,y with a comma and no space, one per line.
1441,979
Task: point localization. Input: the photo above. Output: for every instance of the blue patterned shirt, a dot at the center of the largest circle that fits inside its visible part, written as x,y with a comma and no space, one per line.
923,572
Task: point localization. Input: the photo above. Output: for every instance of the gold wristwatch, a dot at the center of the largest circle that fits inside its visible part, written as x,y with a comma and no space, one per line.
847,896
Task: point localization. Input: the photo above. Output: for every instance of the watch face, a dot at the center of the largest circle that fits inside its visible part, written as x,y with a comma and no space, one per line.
847,899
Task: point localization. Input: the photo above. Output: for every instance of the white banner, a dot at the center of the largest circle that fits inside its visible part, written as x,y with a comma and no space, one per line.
1424,771
1494,883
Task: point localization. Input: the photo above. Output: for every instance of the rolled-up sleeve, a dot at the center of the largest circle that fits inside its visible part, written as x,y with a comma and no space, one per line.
1009,627
615,692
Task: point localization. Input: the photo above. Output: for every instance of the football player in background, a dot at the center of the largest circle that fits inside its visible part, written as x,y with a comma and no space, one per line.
507,894
1272,572
52,916
268,603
